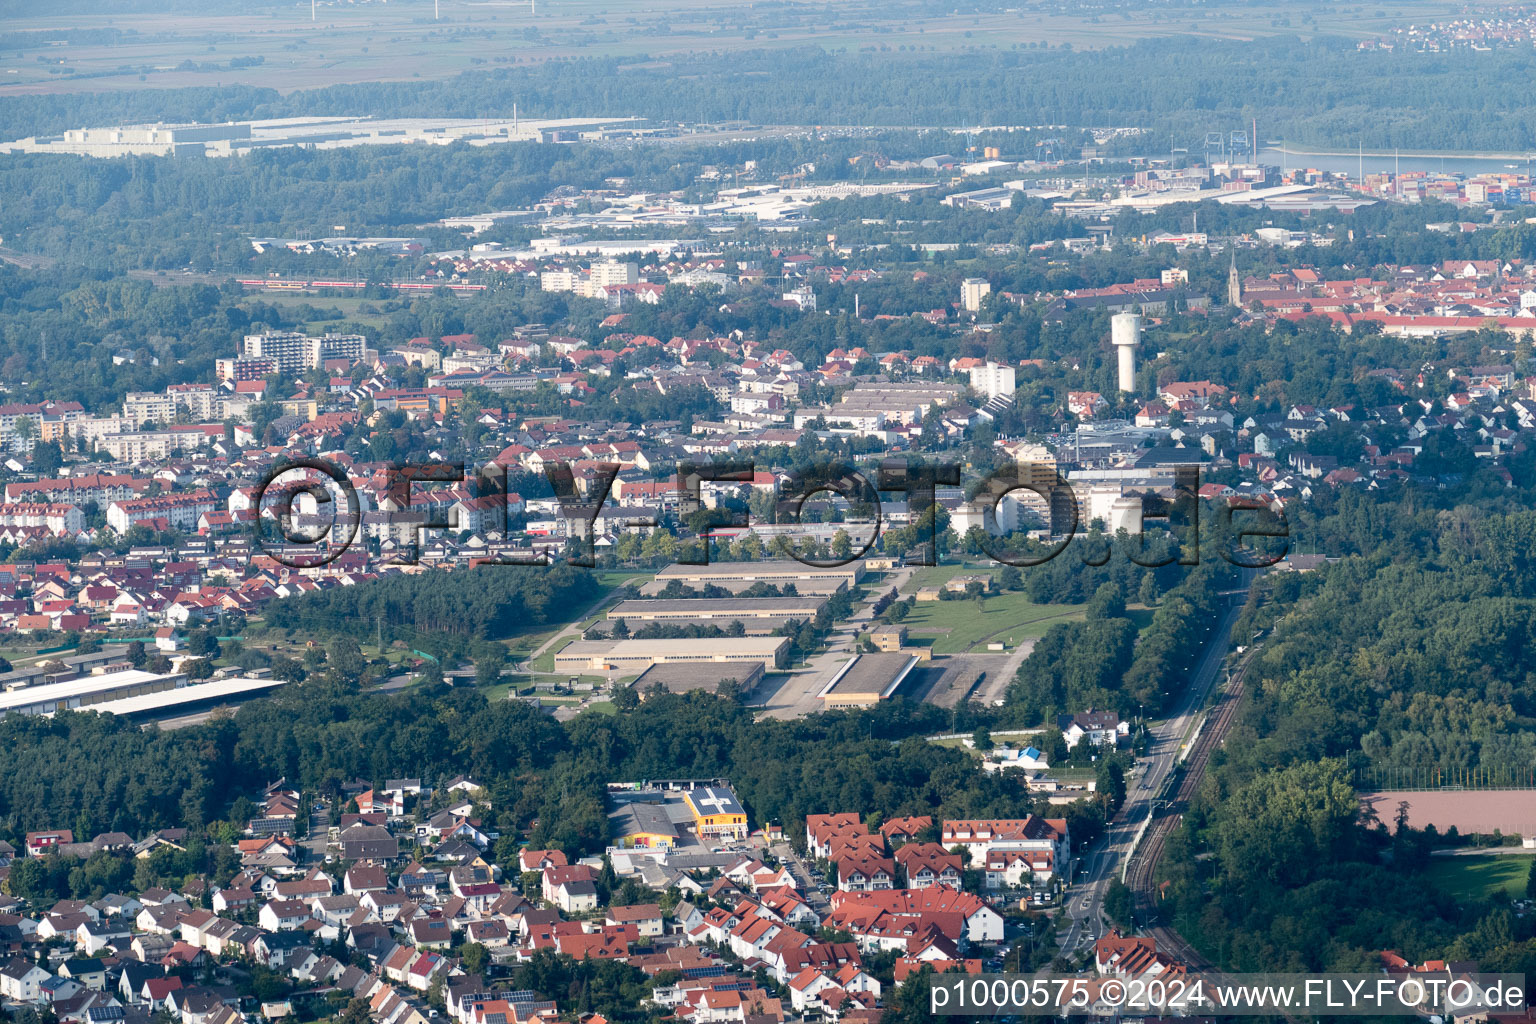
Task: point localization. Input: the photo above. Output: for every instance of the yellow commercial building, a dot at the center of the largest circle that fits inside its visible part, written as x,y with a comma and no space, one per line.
717,812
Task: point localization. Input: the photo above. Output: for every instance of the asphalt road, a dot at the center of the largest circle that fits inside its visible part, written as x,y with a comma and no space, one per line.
801,869
1102,863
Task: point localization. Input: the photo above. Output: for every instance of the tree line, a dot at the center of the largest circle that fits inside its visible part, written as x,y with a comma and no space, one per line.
1383,99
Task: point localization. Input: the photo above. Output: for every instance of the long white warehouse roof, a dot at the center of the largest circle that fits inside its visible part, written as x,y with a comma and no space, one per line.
216,689
72,691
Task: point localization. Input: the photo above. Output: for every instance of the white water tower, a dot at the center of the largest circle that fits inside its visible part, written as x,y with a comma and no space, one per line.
1125,514
1125,334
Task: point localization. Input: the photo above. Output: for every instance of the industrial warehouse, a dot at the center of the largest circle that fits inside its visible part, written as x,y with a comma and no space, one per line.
128,692
322,132
661,813
868,679
681,677
773,573
638,655
758,615
810,585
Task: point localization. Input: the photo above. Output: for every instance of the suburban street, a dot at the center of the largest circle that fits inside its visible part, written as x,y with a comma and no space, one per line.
1103,862
798,867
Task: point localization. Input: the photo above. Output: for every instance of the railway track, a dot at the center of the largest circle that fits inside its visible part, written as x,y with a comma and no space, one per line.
1143,870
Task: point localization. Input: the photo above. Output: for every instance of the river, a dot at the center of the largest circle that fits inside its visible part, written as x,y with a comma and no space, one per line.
1349,163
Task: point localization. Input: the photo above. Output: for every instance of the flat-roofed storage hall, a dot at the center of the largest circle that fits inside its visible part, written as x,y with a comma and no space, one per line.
130,692
636,655
82,692
776,573
193,697
868,679
756,614
681,677
657,587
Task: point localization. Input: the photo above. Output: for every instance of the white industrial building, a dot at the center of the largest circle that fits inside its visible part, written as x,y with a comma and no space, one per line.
239,137
126,691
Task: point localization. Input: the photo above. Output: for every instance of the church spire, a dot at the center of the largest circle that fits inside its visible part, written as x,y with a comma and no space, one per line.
1234,284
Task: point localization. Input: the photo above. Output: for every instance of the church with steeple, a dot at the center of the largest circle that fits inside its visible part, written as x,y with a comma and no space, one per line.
1234,285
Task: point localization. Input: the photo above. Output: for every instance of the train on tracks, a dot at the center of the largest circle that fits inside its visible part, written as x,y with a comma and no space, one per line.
274,284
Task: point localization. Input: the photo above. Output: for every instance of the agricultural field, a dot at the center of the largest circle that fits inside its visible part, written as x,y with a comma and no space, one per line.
283,48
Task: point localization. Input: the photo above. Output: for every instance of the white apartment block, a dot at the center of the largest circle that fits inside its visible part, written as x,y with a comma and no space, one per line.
863,421
559,280
232,407
200,400
590,284
337,346
182,510
140,407
147,445
56,519
993,379
996,519
611,272
99,488
803,297
291,351
972,291
286,349
471,361
97,427
11,415
695,278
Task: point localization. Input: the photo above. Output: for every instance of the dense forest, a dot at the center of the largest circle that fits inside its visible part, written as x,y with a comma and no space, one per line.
1410,659
486,603
168,212
1407,662
1102,662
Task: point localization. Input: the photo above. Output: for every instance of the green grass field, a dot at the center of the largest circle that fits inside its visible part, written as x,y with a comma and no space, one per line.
1477,878
934,575
349,305
954,627
499,691
1005,618
546,661
614,577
